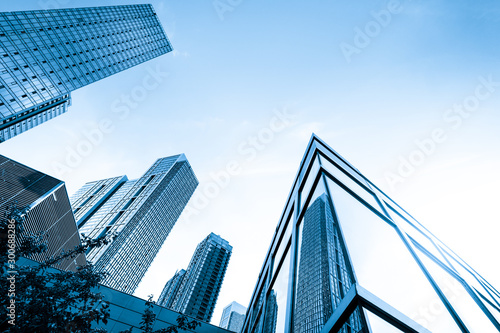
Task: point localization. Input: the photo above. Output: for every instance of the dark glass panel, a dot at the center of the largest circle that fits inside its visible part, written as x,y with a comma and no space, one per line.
277,299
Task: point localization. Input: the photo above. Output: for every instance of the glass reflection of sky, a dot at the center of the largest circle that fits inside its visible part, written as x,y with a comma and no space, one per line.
378,254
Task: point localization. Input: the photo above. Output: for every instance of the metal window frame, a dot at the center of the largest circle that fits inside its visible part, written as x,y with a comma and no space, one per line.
357,296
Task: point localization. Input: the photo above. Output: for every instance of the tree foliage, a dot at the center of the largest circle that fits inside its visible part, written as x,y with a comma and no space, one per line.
148,319
42,299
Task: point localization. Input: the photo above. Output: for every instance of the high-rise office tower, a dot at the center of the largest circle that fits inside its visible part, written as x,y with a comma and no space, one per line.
200,285
46,54
140,213
346,258
323,276
232,317
271,314
49,213
170,290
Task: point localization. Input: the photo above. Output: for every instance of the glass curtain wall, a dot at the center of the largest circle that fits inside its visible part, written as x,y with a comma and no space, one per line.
346,258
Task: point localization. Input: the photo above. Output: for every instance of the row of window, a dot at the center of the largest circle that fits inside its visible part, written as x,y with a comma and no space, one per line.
24,125
135,57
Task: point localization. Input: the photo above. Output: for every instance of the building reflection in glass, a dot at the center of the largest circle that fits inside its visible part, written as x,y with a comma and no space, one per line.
323,275
271,313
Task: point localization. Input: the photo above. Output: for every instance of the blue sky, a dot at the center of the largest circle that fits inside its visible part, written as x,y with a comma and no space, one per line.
414,71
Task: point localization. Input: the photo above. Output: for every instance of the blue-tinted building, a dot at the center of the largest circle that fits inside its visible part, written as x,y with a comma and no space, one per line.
346,258
126,311
170,290
195,291
49,210
233,316
141,213
46,54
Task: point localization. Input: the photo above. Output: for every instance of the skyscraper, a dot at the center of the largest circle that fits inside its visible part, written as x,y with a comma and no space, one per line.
346,258
323,277
233,316
141,213
49,214
171,288
46,54
200,284
271,314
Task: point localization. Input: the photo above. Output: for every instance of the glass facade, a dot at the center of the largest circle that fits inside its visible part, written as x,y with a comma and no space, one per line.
49,215
346,258
323,277
195,292
171,288
141,213
46,54
233,316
